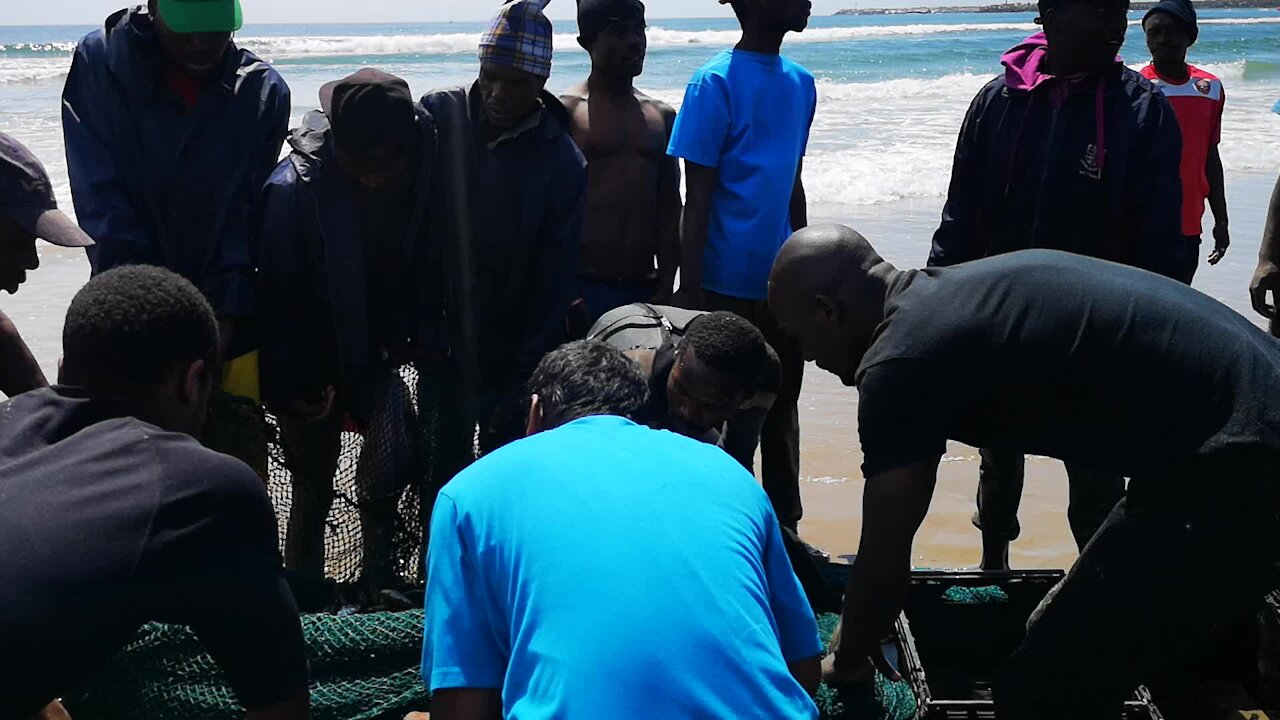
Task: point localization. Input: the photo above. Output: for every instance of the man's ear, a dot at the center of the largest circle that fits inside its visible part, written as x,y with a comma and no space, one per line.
193,382
535,422
829,309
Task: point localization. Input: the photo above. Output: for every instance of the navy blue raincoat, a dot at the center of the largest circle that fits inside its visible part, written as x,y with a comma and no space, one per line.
1094,171
157,183
313,276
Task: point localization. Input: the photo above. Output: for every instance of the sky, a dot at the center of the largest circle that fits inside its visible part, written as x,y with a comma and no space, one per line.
92,12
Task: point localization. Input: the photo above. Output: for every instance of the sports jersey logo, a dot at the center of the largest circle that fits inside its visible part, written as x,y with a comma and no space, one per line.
1089,165
1204,86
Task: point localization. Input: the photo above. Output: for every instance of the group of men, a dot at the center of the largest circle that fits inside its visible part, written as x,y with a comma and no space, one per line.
464,233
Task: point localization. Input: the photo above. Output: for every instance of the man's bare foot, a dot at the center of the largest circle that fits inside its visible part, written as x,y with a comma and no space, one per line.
418,716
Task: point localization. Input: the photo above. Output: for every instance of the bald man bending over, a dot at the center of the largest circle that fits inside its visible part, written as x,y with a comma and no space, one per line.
1073,358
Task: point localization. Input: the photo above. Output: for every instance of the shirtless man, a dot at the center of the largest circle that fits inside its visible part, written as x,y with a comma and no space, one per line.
633,191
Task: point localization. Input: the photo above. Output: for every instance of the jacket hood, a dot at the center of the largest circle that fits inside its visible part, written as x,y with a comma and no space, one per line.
1024,67
311,145
1024,63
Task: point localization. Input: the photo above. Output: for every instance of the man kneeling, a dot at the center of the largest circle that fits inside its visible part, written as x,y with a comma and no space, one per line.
601,568
114,515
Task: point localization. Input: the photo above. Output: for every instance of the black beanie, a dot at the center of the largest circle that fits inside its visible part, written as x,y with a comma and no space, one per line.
1181,9
370,108
596,15
1046,5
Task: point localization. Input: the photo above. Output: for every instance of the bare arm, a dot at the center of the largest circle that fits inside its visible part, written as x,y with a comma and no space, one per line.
670,206
1267,277
894,505
466,704
700,182
799,204
1218,204
808,673
19,371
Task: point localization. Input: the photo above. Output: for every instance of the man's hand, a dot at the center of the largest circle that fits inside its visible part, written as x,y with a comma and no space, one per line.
1265,279
313,411
1221,241
838,671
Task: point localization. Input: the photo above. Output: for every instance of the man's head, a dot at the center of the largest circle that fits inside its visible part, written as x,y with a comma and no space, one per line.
828,289
1171,28
1083,35
582,379
194,34
613,32
515,62
145,340
720,364
375,129
28,211
780,16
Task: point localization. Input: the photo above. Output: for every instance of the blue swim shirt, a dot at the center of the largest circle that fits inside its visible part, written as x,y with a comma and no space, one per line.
607,570
747,115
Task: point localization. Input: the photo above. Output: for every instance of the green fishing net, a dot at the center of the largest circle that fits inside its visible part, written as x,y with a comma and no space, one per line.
883,700
363,667
960,595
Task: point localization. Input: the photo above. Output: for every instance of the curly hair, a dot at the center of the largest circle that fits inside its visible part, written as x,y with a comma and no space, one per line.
130,327
728,343
585,378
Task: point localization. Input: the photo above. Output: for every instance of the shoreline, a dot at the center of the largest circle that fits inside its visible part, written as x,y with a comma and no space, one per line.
1023,7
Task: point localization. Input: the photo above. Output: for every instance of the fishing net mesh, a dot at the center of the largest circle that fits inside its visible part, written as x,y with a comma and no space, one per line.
364,665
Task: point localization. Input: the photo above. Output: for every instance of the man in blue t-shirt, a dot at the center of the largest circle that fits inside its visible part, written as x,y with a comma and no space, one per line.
604,569
742,132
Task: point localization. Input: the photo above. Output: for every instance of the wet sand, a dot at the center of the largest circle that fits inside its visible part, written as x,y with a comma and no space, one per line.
831,458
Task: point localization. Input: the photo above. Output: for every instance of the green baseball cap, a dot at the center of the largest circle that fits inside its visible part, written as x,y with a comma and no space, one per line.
201,16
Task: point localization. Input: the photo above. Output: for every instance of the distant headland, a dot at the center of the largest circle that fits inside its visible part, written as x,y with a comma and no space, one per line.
1019,7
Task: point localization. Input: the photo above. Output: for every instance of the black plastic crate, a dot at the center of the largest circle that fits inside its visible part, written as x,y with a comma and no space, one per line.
950,651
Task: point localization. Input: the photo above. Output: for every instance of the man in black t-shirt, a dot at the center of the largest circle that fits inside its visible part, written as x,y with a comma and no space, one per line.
1077,359
113,515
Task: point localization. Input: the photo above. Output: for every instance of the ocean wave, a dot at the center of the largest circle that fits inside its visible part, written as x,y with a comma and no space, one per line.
31,71
659,37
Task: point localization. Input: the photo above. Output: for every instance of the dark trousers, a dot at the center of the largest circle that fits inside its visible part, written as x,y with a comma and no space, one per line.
1000,479
780,432
1192,260
1180,558
389,461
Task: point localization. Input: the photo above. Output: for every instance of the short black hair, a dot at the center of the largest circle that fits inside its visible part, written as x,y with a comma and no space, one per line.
130,327
728,343
585,378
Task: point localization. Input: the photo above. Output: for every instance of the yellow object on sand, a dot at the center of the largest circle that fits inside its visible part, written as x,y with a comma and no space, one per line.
240,377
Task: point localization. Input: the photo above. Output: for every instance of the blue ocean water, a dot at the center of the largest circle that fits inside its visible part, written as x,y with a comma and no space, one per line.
893,88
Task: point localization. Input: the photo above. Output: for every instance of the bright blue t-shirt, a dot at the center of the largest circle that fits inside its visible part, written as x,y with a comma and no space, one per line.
603,569
747,115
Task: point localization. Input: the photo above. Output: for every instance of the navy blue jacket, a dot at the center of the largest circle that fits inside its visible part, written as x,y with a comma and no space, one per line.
506,220
1027,175
155,182
314,294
